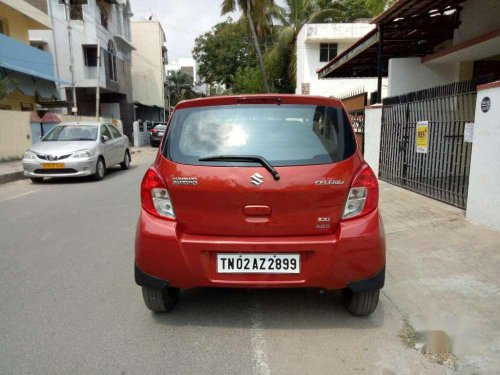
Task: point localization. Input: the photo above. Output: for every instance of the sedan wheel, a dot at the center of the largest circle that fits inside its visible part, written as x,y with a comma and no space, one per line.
100,170
125,164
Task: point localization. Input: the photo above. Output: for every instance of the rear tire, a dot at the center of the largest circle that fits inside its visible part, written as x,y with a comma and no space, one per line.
160,300
36,180
125,164
100,170
361,303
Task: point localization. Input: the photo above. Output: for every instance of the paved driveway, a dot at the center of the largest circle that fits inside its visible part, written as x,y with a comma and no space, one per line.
69,304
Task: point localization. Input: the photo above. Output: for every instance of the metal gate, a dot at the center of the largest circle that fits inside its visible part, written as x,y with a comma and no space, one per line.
443,171
355,106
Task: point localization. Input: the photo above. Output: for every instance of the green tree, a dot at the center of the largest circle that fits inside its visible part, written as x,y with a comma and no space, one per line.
259,15
223,51
376,7
180,86
248,81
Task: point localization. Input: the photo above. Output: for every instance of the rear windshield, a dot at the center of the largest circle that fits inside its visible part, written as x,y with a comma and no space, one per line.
160,127
284,135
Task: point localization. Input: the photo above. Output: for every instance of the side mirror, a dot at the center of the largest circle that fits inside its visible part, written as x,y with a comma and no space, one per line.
104,138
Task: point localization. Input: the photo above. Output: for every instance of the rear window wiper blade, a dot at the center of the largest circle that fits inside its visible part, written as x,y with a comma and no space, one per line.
245,158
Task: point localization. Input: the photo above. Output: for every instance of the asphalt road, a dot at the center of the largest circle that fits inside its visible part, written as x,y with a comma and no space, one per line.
69,304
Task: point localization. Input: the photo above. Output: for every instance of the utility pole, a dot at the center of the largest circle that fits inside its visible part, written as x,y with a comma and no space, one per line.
72,59
98,87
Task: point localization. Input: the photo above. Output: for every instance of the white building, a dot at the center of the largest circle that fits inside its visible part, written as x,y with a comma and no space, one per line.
317,44
148,69
103,24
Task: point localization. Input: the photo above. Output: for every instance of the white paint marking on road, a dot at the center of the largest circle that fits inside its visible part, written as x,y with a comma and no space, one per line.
18,196
261,366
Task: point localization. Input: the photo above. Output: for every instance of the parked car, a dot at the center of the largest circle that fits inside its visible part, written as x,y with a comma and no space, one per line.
77,149
157,134
265,191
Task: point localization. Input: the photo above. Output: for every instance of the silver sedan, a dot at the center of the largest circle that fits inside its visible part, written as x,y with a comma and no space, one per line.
77,149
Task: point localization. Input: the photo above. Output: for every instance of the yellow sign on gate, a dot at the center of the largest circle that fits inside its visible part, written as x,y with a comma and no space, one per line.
422,137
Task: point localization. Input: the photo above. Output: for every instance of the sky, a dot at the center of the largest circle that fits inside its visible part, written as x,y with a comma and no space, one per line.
182,20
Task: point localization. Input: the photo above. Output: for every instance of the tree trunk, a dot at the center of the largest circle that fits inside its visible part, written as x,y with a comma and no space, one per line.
257,47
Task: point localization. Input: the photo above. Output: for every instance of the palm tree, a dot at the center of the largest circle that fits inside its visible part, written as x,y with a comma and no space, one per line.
259,14
180,86
298,13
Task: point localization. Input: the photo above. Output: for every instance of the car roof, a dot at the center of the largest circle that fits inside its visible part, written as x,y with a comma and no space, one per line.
260,99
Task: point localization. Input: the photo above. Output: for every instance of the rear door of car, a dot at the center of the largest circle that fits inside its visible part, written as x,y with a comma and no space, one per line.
119,142
108,146
311,147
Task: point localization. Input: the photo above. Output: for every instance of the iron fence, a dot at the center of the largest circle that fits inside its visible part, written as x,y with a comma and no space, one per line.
443,171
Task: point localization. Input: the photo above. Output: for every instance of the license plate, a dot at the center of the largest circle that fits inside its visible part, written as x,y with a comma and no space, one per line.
53,165
258,263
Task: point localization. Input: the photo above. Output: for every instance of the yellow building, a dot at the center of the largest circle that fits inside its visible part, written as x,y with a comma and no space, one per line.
27,73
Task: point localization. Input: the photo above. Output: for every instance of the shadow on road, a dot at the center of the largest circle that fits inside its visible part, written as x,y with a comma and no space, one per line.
279,308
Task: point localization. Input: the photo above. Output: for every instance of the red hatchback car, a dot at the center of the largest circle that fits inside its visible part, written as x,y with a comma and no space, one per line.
260,191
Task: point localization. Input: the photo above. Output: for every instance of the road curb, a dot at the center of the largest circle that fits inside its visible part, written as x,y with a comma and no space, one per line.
12,176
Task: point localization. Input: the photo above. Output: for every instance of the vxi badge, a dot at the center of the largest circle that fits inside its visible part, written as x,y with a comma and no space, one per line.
329,182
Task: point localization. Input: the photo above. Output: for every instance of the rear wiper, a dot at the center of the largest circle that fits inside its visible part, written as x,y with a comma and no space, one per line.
245,158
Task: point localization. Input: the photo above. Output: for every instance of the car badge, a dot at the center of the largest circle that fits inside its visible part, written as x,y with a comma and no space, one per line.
189,181
329,182
257,179
52,157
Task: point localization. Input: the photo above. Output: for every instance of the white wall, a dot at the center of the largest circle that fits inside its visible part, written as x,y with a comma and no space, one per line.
409,74
373,128
111,110
483,203
148,74
15,134
308,44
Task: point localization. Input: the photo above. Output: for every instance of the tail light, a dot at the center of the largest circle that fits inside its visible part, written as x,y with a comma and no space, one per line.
363,195
155,198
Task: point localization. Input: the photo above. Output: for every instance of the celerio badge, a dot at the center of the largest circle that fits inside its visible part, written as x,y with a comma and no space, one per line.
329,182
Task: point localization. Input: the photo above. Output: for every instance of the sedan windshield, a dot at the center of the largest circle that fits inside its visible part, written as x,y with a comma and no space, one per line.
72,133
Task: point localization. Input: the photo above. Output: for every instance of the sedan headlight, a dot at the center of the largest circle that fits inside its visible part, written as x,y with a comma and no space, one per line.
83,154
29,155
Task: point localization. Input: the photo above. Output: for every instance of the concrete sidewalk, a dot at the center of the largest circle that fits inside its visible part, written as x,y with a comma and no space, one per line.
13,170
443,267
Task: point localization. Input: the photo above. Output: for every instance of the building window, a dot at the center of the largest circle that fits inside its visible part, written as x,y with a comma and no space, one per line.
75,8
26,107
3,26
112,60
327,51
90,55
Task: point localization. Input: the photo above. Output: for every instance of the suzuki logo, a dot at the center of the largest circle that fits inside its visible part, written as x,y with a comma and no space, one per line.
256,179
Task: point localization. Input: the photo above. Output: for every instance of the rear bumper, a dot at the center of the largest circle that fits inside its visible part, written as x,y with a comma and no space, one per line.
353,257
